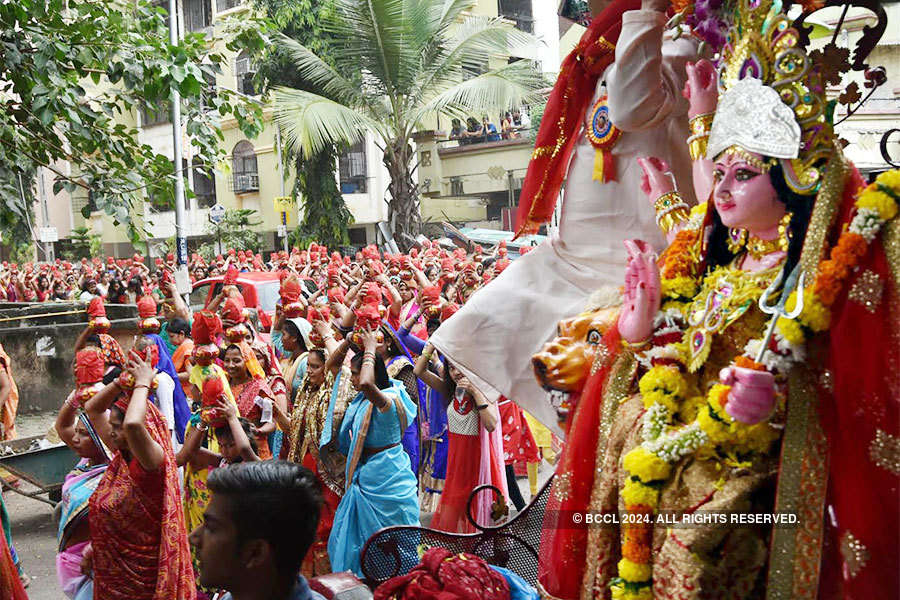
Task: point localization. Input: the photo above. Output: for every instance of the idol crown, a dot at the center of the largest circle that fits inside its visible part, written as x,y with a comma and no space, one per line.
772,100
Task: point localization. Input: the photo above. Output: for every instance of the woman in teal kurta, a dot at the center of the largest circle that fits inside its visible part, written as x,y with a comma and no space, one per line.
381,487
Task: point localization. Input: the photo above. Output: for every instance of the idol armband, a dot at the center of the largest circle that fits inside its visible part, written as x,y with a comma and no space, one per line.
700,128
671,210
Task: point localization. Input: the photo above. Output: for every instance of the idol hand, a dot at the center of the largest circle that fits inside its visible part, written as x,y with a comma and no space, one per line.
656,179
752,395
642,297
701,88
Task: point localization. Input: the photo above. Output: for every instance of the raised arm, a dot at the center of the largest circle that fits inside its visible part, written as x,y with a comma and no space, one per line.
367,383
65,420
181,309
145,449
396,299
425,374
336,357
647,77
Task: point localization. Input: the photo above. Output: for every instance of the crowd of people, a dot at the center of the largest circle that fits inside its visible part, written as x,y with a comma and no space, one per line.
344,384
732,364
474,132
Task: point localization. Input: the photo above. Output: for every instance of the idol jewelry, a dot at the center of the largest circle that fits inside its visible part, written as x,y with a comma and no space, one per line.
758,248
670,210
737,239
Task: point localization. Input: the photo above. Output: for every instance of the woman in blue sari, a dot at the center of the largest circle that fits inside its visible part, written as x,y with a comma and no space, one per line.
77,431
381,487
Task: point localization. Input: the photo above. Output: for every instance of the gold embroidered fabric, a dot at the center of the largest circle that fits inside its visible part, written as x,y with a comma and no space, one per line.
854,553
884,450
867,291
308,422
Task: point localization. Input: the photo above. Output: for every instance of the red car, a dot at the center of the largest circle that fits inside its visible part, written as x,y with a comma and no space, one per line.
259,289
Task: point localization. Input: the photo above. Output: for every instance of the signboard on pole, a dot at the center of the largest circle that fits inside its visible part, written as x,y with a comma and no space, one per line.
217,214
49,235
287,208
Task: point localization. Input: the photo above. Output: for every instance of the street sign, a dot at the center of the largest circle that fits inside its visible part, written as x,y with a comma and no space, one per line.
217,213
284,204
49,235
282,230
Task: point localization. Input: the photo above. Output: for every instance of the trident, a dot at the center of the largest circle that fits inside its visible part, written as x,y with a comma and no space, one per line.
777,309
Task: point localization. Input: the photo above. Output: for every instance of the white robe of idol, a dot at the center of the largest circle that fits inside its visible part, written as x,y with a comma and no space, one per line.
493,336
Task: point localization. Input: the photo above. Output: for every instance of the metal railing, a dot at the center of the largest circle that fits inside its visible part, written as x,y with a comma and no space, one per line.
242,183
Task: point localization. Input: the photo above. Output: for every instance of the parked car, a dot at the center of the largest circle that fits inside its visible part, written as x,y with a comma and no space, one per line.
259,289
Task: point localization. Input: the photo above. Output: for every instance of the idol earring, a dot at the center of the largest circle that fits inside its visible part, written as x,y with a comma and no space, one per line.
737,239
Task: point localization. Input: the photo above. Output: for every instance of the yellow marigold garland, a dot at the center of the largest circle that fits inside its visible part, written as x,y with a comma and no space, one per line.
663,384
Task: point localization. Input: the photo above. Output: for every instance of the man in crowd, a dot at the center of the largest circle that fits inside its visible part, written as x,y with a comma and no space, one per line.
257,528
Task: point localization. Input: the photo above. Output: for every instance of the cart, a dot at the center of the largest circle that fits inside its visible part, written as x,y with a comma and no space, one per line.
43,466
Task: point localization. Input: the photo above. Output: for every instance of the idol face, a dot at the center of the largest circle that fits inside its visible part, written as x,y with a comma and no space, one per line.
743,194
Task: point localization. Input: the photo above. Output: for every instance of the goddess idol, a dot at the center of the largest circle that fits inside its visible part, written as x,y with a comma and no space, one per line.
752,375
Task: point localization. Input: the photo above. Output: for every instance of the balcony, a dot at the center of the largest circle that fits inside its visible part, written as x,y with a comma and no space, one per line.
244,183
471,182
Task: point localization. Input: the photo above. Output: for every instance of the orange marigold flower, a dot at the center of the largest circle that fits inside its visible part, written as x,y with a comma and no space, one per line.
850,248
638,553
834,270
748,363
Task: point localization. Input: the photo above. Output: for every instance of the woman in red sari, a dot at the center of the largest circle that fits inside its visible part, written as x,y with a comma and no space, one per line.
139,548
251,392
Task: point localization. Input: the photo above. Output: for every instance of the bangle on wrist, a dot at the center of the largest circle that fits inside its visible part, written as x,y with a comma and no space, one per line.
702,124
141,385
481,406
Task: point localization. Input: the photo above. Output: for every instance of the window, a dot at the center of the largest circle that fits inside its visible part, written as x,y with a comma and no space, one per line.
352,169
244,73
209,91
223,5
518,11
243,163
156,115
204,185
197,14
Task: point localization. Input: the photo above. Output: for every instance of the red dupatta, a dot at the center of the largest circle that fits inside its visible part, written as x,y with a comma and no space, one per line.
562,118
562,560
861,418
141,547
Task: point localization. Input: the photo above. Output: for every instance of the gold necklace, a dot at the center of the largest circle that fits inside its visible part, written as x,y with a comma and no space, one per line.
757,248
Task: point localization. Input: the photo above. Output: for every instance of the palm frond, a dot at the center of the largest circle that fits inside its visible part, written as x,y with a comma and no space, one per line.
508,87
311,122
373,34
475,41
319,73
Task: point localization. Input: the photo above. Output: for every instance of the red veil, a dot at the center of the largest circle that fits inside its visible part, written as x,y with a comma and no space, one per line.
563,542
141,548
861,418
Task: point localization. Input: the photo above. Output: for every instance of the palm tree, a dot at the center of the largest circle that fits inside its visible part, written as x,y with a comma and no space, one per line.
399,63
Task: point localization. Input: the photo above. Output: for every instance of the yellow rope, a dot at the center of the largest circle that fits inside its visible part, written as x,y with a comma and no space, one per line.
41,315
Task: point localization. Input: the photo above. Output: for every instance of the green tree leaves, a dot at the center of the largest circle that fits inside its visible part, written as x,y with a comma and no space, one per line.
74,75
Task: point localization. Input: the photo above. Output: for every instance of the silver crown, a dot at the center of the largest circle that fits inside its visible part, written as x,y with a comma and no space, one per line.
751,115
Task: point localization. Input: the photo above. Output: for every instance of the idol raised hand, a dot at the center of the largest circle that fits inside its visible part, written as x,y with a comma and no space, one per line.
642,297
752,395
701,88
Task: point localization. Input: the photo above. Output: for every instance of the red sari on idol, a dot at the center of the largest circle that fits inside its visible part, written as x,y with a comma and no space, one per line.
138,531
